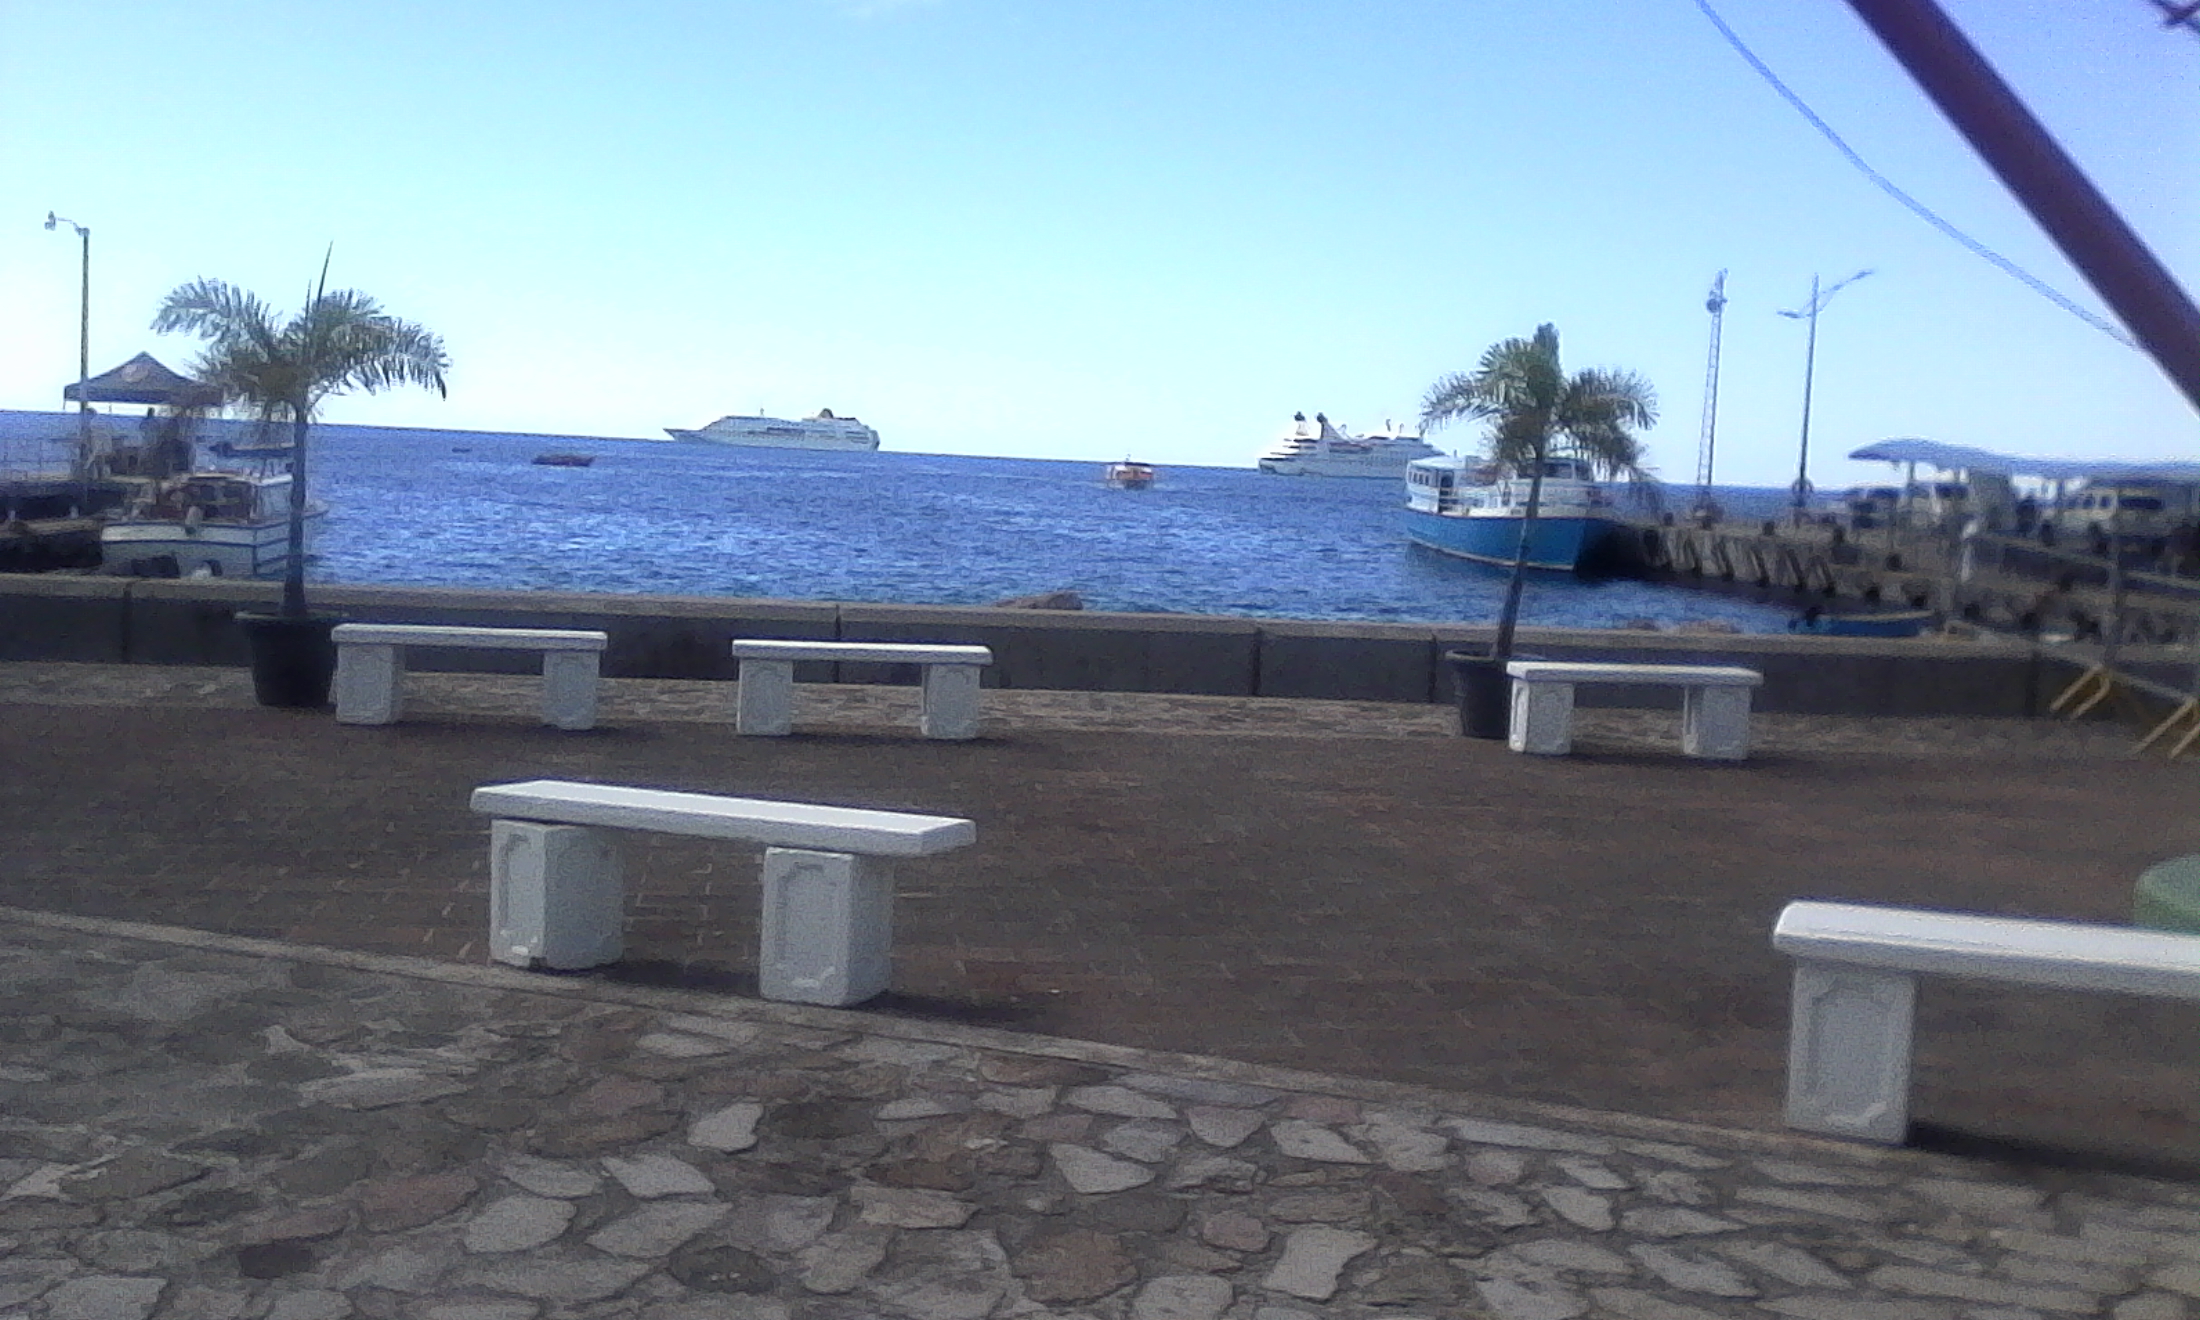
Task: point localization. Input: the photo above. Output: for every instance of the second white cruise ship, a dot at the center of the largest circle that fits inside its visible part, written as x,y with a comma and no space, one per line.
1322,449
823,431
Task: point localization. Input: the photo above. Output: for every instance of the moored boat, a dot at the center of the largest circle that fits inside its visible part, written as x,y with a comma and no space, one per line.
206,524
822,431
1321,448
564,460
1463,507
1893,623
1127,475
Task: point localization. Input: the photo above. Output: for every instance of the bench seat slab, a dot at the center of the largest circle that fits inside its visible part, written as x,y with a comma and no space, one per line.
702,815
1567,671
494,639
557,895
908,653
828,927
1849,1042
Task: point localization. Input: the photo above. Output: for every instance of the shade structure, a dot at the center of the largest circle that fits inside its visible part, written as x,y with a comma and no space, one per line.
143,380
1964,458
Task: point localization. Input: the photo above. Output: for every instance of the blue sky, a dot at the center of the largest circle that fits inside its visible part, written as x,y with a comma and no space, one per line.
1062,230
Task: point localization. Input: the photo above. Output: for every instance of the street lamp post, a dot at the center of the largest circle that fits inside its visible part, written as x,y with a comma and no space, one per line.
1809,312
83,344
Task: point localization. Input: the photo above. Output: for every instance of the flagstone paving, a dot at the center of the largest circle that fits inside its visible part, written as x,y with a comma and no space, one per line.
209,1128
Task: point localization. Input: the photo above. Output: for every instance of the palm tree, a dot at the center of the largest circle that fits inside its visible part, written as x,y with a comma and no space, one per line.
339,342
1533,409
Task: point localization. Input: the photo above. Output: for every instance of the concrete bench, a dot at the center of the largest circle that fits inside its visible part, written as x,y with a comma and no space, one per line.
950,704
1714,704
370,667
557,892
1856,971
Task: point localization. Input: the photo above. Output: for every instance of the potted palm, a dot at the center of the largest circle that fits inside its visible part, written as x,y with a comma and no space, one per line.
1533,407
282,371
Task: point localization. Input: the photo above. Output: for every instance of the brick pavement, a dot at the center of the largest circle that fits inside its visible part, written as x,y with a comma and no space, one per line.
1373,897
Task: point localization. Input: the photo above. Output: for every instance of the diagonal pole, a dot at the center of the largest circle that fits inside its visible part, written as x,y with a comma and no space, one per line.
2043,178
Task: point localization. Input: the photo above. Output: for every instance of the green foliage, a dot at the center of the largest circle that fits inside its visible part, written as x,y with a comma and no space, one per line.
1534,408
283,370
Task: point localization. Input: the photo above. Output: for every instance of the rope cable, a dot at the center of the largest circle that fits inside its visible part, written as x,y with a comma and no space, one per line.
1895,191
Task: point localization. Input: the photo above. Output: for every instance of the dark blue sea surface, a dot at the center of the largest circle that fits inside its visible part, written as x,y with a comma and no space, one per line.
471,509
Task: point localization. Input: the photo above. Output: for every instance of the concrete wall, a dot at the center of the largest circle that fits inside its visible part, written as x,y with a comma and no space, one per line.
119,620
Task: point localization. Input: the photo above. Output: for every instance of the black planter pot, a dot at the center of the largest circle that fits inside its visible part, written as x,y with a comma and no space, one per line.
293,659
1485,694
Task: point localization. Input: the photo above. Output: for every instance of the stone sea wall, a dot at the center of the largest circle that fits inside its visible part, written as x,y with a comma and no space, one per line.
190,622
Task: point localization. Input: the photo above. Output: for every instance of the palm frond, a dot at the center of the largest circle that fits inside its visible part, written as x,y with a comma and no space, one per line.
1451,399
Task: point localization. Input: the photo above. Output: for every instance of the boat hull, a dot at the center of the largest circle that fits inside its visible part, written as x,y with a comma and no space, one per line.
1903,623
843,435
1383,470
835,443
1562,544
213,549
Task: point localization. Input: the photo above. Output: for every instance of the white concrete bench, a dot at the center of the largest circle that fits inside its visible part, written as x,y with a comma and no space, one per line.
1856,970
557,892
950,703
370,667
1714,704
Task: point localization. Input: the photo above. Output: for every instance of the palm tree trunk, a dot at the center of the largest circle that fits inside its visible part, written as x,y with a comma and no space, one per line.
294,569
1509,617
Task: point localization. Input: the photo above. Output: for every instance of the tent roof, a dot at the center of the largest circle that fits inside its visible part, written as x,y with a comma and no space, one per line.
142,380
1963,458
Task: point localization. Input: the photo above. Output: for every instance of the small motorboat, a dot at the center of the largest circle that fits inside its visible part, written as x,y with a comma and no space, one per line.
565,460
1901,623
1127,475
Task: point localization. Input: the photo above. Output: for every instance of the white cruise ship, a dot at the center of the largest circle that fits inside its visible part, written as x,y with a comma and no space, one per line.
1322,449
824,431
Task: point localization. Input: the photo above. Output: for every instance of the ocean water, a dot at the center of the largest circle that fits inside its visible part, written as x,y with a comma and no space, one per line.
470,509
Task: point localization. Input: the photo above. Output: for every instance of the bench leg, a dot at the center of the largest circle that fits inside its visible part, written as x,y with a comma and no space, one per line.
950,701
1715,722
765,704
367,683
1542,718
828,926
569,682
1849,1051
557,895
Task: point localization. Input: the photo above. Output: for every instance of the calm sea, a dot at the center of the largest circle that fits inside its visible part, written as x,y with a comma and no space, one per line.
460,508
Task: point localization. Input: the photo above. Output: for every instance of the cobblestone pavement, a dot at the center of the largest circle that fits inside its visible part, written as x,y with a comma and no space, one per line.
208,1128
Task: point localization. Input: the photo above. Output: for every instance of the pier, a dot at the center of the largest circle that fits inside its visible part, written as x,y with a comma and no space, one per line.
2001,583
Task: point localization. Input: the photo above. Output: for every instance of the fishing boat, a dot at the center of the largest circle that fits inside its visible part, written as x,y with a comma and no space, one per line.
564,460
206,524
1321,448
822,431
1467,508
1127,475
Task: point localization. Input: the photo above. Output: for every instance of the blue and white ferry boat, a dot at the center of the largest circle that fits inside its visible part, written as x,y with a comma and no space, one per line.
1466,507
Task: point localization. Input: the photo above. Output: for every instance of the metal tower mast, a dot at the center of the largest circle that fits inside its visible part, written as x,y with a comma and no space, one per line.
1708,445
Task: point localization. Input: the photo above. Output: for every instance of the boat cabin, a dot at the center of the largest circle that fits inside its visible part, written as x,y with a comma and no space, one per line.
217,497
